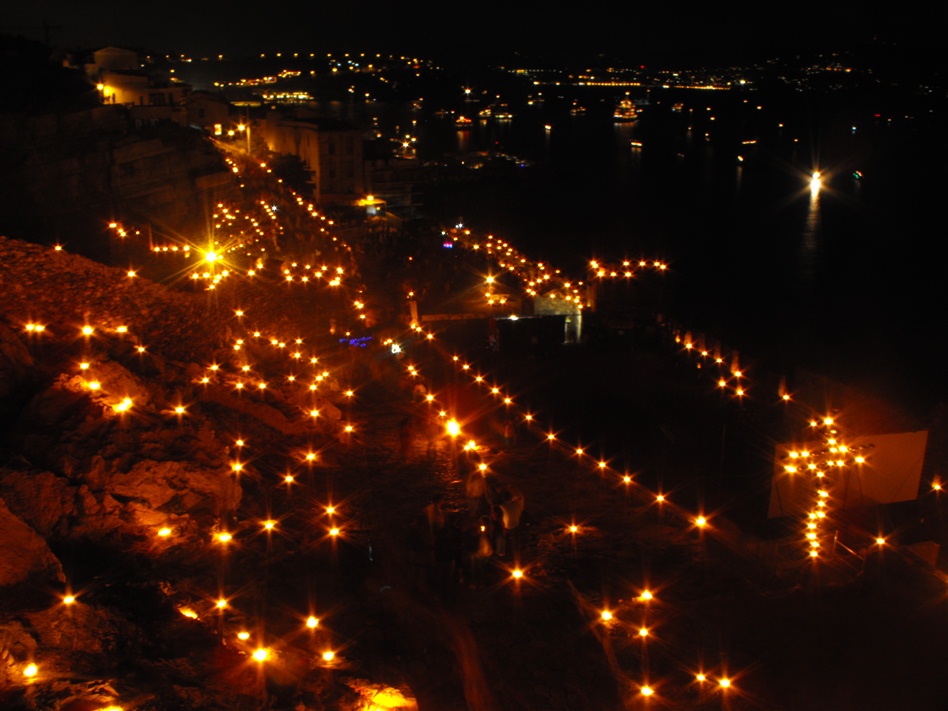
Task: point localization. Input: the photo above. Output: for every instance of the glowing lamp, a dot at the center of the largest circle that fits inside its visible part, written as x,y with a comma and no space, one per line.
606,615
517,573
328,655
30,671
312,622
261,654
647,691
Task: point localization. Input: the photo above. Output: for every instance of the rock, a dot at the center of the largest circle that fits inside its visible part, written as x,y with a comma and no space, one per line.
266,414
150,494
26,556
55,405
42,499
115,384
15,363
174,487
80,627
17,648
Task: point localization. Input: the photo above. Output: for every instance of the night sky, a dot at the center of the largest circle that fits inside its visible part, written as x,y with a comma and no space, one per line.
655,32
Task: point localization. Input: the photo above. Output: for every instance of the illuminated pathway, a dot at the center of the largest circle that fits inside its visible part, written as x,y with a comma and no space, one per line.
622,597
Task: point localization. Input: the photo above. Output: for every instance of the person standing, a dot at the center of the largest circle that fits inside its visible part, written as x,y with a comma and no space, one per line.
511,509
475,491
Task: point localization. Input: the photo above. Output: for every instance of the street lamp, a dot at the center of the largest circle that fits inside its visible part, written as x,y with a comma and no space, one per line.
245,128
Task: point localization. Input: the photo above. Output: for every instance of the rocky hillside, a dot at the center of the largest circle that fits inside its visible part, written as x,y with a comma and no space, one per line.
117,453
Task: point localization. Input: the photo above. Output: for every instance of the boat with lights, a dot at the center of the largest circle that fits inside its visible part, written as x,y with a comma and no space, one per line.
625,112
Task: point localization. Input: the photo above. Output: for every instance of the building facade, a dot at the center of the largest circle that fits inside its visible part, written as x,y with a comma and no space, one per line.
332,149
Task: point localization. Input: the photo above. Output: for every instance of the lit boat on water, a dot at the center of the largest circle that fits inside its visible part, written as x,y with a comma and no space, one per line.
625,111
499,112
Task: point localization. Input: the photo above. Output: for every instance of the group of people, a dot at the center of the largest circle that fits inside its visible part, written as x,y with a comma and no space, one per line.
446,548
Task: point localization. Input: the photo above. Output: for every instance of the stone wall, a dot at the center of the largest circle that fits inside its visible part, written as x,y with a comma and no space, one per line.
69,175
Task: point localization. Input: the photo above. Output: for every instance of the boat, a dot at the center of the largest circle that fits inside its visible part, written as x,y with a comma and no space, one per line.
499,112
577,110
625,111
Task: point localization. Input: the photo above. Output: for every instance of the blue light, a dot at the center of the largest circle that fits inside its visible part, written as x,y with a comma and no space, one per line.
361,342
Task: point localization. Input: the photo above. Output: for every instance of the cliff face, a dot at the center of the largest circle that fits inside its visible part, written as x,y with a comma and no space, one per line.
89,486
75,465
70,174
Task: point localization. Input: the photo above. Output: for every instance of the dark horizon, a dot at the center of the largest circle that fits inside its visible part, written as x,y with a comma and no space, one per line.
501,32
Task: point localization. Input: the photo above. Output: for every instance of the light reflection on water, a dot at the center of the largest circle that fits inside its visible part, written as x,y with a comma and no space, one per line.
809,244
751,259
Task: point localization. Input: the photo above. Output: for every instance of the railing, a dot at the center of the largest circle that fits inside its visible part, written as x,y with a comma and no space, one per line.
847,556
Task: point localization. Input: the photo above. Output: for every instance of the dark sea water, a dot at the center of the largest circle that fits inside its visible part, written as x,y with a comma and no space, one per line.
847,281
